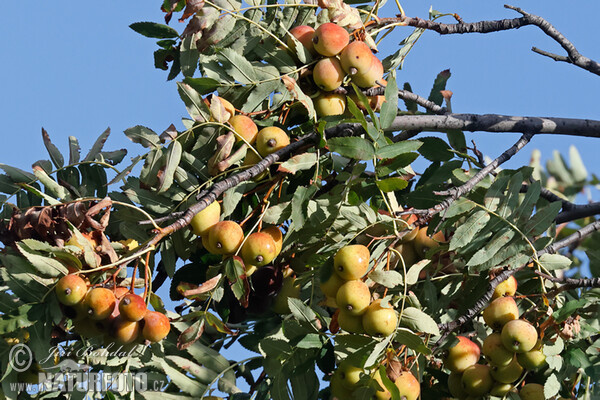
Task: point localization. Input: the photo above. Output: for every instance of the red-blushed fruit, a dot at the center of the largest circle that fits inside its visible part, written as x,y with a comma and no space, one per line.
271,139
462,355
506,288
120,292
244,127
371,76
100,303
378,320
225,237
476,380
500,311
259,249
124,331
519,336
156,326
132,307
304,34
328,74
532,391
532,360
507,373
205,219
354,297
276,235
455,385
408,386
495,352
356,58
330,39
351,262
329,104
350,323
70,289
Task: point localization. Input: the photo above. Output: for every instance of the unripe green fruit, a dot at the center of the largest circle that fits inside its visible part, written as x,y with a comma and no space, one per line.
329,104
501,389
408,386
495,352
156,326
532,391
462,355
225,237
532,360
132,307
379,321
328,74
259,249
371,76
455,385
353,297
506,288
350,322
330,39
408,253
349,374
519,336
304,34
507,373
71,289
356,58
100,303
500,311
476,380
289,289
244,127
205,219
337,388
331,286
351,262
271,139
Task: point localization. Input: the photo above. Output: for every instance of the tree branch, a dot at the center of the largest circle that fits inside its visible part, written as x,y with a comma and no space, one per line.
570,211
455,193
406,95
572,238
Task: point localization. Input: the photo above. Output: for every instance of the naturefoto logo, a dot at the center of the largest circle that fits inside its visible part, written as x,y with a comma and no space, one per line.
70,376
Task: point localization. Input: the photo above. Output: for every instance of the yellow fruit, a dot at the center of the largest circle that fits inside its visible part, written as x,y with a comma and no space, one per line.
500,311
289,289
329,104
408,386
350,322
71,289
271,139
506,288
354,297
205,219
351,262
331,286
371,76
356,58
276,235
462,355
422,242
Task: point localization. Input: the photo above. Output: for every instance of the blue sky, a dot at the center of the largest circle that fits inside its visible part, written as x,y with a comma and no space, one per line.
76,70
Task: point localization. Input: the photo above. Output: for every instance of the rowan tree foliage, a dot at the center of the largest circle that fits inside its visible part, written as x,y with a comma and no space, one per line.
440,239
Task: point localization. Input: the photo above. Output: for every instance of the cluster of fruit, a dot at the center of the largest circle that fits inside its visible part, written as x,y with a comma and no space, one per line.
226,238
512,348
348,377
340,59
346,290
262,142
116,313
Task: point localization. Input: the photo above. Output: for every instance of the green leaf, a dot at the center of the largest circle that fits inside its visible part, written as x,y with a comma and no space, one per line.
555,261
542,219
50,185
418,321
500,239
392,184
457,140
438,85
389,279
237,66
97,146
193,102
459,207
232,197
465,233
17,318
173,157
154,30
57,159
182,381
202,85
45,266
126,171
352,147
411,105
551,387
74,150
236,274
357,113
17,175
301,311
389,108
396,149
298,162
188,55
411,340
435,149
397,59
365,102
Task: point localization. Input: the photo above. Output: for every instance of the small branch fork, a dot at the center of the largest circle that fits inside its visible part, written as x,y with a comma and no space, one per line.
573,56
566,283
